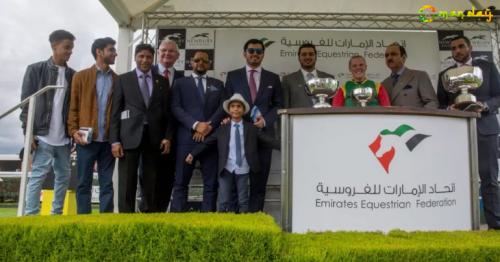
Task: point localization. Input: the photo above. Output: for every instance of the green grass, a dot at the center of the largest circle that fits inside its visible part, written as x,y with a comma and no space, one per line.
8,211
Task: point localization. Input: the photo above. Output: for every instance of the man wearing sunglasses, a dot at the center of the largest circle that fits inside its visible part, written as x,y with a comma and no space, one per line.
197,106
262,90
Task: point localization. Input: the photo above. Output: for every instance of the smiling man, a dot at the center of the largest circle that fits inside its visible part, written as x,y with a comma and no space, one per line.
140,129
407,87
293,85
262,90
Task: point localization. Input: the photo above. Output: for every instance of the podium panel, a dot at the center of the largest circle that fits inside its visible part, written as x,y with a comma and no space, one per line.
378,171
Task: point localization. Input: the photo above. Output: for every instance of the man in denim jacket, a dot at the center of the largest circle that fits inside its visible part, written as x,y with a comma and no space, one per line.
51,143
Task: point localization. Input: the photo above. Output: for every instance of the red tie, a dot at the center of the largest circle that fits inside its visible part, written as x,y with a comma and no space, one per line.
166,74
252,85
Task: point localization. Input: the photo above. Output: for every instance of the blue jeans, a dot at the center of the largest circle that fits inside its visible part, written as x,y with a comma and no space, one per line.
86,156
46,157
229,184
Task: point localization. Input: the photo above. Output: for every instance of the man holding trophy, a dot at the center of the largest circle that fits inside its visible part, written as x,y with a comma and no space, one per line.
360,91
479,84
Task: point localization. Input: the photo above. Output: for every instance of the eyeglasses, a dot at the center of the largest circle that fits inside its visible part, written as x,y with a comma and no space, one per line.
259,51
198,60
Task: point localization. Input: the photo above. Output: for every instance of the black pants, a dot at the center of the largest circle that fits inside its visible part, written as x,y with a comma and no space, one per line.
488,172
258,181
127,175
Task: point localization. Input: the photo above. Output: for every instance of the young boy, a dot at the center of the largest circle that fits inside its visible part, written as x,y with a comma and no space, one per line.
237,144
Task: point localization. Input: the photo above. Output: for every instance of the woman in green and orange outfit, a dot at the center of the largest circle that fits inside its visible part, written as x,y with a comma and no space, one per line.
357,66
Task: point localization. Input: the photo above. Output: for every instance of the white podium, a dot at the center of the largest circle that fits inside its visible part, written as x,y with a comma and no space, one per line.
378,169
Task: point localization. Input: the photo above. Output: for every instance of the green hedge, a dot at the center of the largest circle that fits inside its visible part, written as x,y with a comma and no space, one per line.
395,246
140,237
223,237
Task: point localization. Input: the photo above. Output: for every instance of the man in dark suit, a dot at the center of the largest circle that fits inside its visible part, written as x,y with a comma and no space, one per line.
488,95
293,84
262,90
140,129
237,145
168,53
407,87
197,106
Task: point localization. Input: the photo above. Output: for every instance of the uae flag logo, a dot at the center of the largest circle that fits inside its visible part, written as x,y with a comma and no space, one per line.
411,138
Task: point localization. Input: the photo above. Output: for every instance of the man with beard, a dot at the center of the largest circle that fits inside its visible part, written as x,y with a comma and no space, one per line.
197,106
488,96
262,90
140,129
293,85
407,87
89,113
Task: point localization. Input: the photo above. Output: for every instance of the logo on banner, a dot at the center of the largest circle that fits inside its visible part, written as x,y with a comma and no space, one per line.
201,40
385,153
267,42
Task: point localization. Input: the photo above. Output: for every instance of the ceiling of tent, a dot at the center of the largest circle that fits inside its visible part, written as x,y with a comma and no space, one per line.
129,12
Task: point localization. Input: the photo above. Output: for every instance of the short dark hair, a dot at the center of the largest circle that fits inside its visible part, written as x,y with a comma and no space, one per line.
60,35
466,39
402,50
143,46
101,43
307,45
253,41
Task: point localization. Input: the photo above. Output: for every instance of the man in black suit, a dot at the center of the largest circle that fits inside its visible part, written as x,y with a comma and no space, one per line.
262,90
488,96
197,107
140,128
168,53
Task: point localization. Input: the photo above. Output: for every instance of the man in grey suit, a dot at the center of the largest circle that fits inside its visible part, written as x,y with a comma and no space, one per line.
293,84
407,87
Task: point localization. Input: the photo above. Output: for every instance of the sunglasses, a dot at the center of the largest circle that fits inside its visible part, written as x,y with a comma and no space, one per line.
258,51
197,60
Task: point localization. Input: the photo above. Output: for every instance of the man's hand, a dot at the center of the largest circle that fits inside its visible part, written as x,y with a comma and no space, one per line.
189,159
204,128
34,145
165,146
225,121
78,137
198,137
260,122
117,150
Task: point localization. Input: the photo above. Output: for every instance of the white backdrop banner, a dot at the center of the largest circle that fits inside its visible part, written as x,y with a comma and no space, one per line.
334,48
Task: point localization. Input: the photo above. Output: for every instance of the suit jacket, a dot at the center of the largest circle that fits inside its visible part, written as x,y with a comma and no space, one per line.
414,88
294,94
129,112
488,92
177,74
188,107
269,96
83,108
253,139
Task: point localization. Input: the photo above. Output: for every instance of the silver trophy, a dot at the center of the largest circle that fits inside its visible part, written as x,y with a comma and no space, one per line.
463,79
363,95
322,88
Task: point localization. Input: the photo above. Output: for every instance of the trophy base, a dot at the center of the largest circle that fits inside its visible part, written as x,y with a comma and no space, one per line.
469,106
322,105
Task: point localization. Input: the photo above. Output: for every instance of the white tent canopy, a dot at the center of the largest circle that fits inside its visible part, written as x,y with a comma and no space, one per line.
132,15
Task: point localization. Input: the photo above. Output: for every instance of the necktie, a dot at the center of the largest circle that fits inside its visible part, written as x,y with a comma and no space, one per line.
201,90
237,139
395,78
166,74
309,76
252,85
144,89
